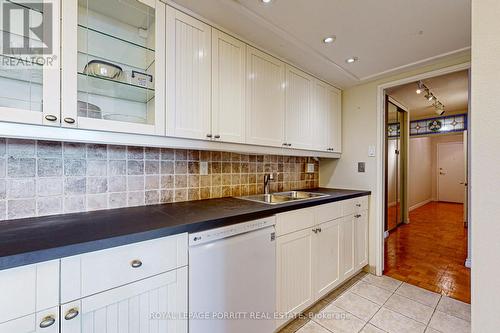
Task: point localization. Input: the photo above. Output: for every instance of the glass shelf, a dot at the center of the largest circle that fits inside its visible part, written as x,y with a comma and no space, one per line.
81,26
114,89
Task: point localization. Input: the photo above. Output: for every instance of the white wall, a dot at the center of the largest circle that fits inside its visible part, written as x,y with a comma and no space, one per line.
485,160
420,171
359,130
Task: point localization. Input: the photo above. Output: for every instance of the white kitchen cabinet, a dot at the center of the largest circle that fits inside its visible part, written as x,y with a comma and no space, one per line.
147,306
299,104
347,247
46,321
326,257
327,118
228,88
265,119
334,120
361,240
30,86
188,76
294,283
113,65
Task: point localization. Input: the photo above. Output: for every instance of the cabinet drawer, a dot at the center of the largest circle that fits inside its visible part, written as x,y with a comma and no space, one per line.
46,321
293,221
355,205
28,289
328,212
93,272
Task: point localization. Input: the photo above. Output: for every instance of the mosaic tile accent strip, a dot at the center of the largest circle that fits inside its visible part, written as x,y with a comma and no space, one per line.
40,178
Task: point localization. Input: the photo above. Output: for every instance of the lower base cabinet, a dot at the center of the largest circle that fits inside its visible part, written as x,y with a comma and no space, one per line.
326,257
151,305
43,322
348,239
361,225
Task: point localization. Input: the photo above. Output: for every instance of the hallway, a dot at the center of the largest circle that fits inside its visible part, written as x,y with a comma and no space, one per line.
430,251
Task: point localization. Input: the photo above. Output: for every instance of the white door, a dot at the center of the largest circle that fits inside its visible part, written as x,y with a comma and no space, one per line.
228,88
113,66
30,92
265,99
361,230
188,76
146,306
298,115
294,272
43,322
326,269
451,171
347,236
334,127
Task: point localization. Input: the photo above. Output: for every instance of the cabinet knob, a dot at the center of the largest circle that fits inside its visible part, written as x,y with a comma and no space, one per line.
209,135
47,321
285,144
319,229
50,117
136,263
315,231
72,313
358,205
69,120
357,216
289,145
217,137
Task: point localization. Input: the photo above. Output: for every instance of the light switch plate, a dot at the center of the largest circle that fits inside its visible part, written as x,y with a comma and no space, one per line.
371,150
361,166
310,168
203,168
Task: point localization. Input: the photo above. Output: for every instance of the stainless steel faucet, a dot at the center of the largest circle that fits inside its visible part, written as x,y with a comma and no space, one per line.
268,177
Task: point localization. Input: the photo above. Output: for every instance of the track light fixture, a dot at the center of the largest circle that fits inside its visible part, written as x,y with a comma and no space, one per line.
421,87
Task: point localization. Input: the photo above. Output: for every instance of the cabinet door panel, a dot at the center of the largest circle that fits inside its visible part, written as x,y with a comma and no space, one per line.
320,117
347,231
265,99
361,240
31,323
139,307
334,128
294,272
228,87
326,270
188,74
299,93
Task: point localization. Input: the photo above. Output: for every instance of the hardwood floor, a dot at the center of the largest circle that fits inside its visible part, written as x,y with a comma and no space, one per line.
430,251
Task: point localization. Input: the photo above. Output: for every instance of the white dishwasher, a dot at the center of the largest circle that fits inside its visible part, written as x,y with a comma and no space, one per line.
232,278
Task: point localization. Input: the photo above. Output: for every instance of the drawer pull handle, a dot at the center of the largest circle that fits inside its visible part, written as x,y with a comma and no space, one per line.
358,205
69,120
357,216
217,136
136,263
50,117
319,229
72,313
47,321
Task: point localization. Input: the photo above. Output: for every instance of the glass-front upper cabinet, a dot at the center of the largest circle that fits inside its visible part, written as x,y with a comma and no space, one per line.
29,61
114,65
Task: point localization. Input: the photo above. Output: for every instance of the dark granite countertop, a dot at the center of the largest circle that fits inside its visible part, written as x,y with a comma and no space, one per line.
32,240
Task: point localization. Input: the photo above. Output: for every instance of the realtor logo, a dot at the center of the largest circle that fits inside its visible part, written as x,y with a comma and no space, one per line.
27,28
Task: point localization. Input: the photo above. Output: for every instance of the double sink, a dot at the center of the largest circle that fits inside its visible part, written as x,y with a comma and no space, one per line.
283,197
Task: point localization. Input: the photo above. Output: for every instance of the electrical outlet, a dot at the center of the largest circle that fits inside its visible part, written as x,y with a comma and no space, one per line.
203,168
310,168
361,166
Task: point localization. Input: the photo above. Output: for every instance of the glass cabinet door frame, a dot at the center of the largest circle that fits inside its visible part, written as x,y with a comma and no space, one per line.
69,99
51,82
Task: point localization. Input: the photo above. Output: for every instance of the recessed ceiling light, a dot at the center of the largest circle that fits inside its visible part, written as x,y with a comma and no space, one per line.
351,60
329,39
266,1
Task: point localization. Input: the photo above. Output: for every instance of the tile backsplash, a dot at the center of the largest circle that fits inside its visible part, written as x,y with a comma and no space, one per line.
47,177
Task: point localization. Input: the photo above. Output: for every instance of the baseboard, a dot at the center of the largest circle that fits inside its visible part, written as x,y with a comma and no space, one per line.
420,204
468,262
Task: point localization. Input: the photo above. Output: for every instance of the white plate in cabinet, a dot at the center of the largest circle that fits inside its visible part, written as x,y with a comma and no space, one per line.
28,289
46,321
30,92
94,272
347,247
355,205
326,257
294,273
128,95
361,226
228,88
294,221
139,307
188,76
265,99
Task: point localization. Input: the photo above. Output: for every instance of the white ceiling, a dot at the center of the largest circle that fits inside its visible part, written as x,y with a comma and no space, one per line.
388,36
451,90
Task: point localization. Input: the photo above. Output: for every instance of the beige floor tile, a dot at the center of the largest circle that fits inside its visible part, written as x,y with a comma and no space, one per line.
383,282
453,307
431,330
394,322
410,308
338,320
449,324
312,327
369,328
357,305
371,292
418,294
